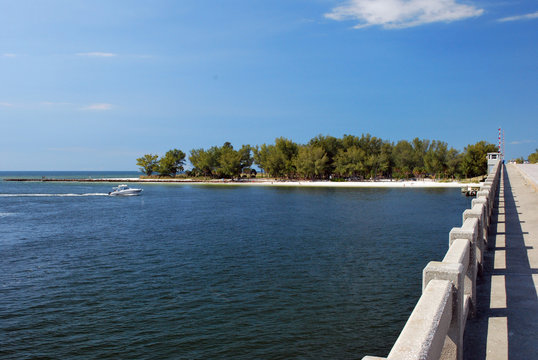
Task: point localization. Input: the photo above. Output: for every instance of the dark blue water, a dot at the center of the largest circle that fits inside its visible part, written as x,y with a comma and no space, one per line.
205,272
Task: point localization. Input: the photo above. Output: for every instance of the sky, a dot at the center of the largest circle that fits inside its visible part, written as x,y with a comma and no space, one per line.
93,85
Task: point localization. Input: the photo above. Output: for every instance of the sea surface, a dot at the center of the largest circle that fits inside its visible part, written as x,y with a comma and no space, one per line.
212,272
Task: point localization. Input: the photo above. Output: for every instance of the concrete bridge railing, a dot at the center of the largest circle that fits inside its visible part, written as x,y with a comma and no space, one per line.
436,326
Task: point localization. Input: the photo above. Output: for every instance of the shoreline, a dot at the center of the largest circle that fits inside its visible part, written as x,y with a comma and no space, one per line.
428,183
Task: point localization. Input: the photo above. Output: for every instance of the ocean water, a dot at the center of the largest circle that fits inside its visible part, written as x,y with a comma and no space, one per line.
213,272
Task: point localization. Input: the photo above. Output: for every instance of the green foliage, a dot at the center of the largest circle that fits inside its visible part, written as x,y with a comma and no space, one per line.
330,146
474,161
403,155
312,162
171,163
519,160
350,162
453,162
221,162
327,157
204,161
533,158
228,162
436,159
386,161
279,159
148,163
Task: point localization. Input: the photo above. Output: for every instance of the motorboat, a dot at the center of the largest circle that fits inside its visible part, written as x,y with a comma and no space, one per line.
124,190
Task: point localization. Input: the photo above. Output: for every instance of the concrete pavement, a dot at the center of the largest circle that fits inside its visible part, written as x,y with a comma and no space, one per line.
506,324
530,174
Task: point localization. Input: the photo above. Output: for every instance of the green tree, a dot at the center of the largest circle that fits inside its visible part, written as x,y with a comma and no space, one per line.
348,141
222,162
247,160
474,161
148,163
533,158
386,161
279,159
371,146
420,149
171,163
330,146
454,158
350,162
204,162
312,162
436,159
403,159
228,162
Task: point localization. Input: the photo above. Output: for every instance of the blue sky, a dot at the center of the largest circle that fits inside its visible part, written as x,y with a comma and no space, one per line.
92,85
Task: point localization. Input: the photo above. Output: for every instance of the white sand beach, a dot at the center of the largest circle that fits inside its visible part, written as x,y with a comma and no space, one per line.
426,183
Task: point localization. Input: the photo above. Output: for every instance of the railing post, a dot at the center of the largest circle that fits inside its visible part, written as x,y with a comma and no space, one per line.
468,231
453,346
484,201
424,334
478,212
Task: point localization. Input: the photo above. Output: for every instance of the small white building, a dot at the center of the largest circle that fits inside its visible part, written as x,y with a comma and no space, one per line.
493,159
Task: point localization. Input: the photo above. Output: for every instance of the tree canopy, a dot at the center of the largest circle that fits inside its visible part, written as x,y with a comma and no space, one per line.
148,163
171,163
474,161
533,158
328,157
221,162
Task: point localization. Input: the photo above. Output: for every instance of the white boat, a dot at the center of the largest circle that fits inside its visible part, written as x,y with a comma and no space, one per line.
124,190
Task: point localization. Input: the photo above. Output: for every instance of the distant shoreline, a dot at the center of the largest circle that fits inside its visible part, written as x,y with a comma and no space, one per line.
427,183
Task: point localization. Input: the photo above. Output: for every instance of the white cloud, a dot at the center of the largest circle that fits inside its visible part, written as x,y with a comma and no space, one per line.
9,55
519,142
98,107
6,104
97,54
53,103
394,14
530,16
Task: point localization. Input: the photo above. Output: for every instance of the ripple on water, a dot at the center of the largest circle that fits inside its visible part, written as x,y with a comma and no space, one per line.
204,272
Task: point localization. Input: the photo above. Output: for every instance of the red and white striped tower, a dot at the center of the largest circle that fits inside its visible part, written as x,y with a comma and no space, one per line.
503,146
499,140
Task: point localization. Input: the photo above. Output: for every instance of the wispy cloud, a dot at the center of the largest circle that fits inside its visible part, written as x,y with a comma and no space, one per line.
519,142
98,107
54,103
57,105
71,149
530,16
397,14
9,55
97,54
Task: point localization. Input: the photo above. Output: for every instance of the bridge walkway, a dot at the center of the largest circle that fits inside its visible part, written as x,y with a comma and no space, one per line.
506,323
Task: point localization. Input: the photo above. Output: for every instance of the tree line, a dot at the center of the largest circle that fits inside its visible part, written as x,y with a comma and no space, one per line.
532,158
328,158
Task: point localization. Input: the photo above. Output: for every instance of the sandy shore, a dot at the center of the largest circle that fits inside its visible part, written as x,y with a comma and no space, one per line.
344,184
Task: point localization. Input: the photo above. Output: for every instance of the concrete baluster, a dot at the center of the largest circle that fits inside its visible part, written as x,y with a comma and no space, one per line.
484,201
478,212
453,344
468,231
424,334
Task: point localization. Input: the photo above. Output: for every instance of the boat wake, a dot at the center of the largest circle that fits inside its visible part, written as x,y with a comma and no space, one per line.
53,195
